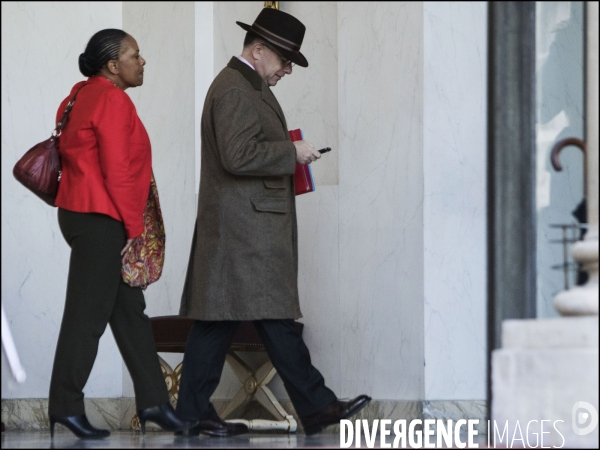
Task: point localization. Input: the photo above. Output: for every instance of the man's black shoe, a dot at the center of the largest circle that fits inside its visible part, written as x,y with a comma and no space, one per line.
164,416
214,427
333,413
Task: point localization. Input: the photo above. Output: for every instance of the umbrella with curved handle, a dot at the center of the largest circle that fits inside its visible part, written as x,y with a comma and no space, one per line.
555,153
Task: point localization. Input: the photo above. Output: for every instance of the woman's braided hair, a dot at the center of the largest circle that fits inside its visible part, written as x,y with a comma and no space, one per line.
102,47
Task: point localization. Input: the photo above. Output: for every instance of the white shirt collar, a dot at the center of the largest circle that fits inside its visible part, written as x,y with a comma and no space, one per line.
241,58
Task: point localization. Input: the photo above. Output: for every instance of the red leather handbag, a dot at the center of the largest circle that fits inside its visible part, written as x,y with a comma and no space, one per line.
39,169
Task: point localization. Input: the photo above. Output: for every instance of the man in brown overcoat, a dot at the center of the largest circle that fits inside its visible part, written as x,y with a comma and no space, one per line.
244,258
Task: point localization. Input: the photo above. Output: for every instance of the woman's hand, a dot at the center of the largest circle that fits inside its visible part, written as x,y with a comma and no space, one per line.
125,249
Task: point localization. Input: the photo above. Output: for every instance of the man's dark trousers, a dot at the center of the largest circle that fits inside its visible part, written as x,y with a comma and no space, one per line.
205,351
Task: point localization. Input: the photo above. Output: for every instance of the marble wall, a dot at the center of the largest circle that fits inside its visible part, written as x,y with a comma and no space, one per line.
454,164
204,70
380,51
166,105
309,99
310,96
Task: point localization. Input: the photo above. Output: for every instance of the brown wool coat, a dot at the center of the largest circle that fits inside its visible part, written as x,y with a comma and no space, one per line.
244,259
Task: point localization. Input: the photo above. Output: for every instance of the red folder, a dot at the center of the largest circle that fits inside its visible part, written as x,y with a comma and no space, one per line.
303,179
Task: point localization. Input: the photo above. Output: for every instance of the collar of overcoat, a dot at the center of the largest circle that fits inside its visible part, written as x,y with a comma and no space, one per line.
258,84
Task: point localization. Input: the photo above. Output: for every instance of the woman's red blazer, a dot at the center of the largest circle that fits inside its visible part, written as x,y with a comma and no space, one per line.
105,154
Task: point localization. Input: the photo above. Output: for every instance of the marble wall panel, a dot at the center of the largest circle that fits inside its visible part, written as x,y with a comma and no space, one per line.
309,97
166,105
40,46
228,36
380,54
454,159
318,280
204,70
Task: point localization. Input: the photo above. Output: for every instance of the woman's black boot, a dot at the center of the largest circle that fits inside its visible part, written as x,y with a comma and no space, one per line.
165,417
79,425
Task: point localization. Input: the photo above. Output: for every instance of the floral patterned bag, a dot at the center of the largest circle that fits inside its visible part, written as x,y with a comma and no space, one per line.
146,256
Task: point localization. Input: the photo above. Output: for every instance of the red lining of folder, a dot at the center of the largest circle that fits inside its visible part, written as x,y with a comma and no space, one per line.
303,179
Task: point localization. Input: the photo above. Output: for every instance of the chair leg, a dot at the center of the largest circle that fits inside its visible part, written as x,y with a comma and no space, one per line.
170,379
265,373
239,399
254,386
239,367
265,397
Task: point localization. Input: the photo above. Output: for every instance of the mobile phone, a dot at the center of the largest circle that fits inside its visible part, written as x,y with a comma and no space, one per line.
325,150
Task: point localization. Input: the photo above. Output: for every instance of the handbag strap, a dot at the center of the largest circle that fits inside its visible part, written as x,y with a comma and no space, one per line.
63,120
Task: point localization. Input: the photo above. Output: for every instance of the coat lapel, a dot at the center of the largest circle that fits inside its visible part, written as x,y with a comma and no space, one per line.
258,84
270,100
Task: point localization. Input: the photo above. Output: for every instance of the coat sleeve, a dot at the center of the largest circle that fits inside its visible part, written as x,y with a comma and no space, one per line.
113,125
237,126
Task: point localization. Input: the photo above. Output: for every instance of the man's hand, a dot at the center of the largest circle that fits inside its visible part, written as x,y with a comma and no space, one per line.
305,152
125,249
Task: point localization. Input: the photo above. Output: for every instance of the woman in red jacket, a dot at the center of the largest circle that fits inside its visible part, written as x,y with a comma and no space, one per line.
106,166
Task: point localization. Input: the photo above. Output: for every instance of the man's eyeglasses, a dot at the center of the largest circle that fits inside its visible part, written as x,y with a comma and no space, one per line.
284,62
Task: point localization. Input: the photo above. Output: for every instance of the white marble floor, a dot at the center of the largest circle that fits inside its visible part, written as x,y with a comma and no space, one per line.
132,439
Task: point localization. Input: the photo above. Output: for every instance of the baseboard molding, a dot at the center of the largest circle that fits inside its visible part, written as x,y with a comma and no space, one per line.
456,410
32,413
117,413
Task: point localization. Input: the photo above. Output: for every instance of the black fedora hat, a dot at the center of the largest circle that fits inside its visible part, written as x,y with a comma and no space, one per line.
282,30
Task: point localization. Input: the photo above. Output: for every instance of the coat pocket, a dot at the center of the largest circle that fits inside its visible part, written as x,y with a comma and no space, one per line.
274,182
268,204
